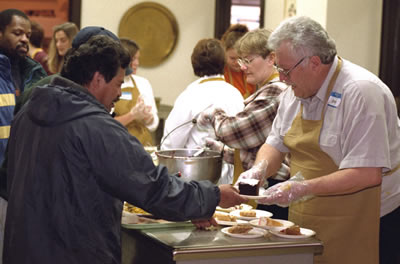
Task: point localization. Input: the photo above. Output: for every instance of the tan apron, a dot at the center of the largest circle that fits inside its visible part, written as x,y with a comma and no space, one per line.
348,224
135,128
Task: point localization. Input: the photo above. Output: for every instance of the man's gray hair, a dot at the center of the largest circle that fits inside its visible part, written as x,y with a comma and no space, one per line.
306,37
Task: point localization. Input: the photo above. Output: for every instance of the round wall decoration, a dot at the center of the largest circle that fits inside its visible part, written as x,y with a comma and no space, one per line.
154,28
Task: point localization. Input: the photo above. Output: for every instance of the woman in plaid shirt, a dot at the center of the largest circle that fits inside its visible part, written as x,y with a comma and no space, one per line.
248,130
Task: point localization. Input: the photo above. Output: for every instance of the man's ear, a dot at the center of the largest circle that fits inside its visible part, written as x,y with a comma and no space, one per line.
271,57
96,82
315,61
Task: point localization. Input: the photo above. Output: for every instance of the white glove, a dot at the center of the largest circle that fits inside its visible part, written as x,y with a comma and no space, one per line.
258,172
286,192
205,119
219,146
142,112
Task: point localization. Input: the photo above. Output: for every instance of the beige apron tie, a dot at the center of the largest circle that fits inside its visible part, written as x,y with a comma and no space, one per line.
347,224
212,79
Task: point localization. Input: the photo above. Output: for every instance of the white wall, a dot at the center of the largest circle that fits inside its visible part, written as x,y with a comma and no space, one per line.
195,21
355,25
357,30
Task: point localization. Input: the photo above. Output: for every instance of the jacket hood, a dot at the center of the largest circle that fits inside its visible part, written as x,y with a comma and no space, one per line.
61,101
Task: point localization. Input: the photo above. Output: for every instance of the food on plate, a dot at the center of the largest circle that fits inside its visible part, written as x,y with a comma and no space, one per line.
233,208
224,217
133,209
266,221
240,229
248,213
249,187
293,230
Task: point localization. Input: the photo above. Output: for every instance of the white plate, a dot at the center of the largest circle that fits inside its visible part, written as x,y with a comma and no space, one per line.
229,223
304,234
254,233
259,213
255,197
233,208
285,224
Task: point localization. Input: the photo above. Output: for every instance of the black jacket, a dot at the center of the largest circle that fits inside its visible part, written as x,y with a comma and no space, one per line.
70,167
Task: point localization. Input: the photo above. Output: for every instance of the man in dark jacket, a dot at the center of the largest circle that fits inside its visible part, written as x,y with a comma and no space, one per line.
18,71
65,202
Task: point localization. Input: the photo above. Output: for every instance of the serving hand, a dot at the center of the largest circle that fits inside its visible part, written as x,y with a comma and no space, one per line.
205,119
219,146
258,172
285,193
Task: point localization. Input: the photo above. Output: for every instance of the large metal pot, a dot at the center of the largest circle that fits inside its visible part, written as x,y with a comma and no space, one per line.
206,166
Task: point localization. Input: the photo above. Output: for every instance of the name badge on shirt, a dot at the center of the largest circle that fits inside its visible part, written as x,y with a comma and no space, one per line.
334,99
126,96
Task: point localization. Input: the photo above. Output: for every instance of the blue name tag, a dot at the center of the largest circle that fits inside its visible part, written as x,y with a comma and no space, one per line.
334,99
126,96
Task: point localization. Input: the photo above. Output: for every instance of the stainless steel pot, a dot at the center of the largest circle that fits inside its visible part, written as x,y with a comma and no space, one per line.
206,166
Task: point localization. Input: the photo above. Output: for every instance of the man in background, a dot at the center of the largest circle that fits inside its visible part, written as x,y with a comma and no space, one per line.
17,71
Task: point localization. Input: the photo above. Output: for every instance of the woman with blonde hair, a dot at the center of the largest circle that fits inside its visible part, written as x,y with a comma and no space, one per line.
63,35
245,132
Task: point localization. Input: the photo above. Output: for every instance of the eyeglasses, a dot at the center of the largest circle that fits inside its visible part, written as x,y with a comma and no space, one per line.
287,72
245,61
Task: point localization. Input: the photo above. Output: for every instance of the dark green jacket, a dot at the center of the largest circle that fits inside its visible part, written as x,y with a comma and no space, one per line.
31,73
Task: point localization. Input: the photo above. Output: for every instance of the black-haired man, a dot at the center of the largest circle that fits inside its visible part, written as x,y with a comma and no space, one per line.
65,204
17,71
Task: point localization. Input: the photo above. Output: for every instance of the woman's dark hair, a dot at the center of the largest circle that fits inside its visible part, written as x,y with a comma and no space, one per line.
100,54
232,35
130,45
208,58
37,35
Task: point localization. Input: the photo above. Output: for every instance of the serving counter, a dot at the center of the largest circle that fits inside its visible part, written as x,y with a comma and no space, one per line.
183,243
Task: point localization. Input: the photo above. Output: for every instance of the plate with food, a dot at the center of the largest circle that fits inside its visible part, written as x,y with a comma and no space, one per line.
294,232
271,224
226,219
233,208
250,214
230,223
251,189
244,231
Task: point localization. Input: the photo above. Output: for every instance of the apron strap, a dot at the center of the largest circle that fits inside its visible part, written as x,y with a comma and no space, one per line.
212,79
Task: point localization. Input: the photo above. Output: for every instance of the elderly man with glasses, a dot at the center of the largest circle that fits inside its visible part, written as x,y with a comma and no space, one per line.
339,124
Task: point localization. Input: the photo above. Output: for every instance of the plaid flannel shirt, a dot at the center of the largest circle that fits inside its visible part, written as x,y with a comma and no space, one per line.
249,129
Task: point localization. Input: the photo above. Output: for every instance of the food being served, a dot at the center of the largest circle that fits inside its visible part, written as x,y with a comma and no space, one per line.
266,221
249,187
133,209
293,230
248,213
224,217
233,208
240,229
